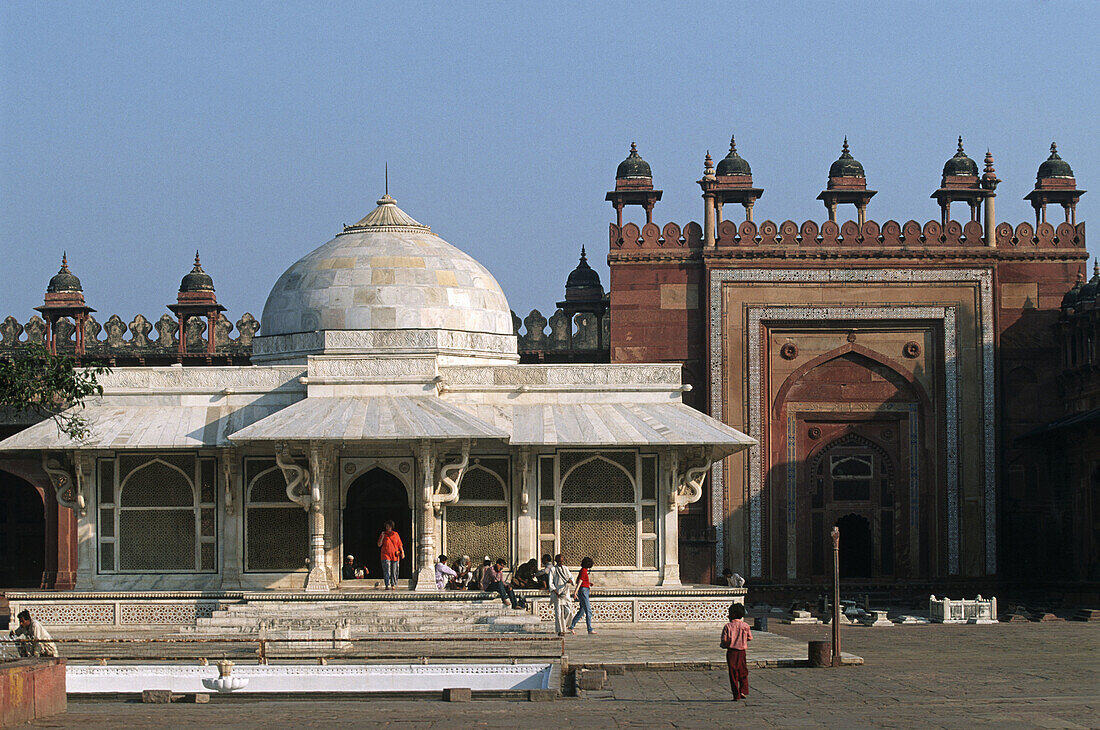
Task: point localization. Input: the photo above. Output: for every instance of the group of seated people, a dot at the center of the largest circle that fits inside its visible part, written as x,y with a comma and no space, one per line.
490,576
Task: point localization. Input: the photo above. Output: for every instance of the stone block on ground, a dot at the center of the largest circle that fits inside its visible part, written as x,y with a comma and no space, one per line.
1045,617
801,617
910,619
202,698
877,618
1014,618
156,696
457,694
614,669
1087,614
591,679
541,695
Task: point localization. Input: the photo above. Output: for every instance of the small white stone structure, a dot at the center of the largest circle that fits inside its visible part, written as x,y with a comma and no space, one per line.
963,611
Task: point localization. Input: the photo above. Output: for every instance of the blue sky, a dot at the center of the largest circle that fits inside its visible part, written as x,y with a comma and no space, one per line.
133,133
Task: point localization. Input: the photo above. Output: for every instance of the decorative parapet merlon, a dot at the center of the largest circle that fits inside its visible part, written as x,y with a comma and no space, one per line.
582,334
848,234
136,339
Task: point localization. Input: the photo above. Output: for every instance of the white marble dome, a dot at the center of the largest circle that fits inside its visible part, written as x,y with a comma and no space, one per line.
386,284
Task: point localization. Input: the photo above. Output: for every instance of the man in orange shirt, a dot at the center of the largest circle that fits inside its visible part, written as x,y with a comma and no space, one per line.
392,553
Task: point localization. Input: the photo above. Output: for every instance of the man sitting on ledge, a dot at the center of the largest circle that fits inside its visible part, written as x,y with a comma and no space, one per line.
32,638
493,581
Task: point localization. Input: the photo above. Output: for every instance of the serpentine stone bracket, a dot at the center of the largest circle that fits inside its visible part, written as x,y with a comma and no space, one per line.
450,474
297,479
688,479
67,481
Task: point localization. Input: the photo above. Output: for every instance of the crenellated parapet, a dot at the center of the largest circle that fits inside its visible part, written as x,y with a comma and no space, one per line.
890,234
582,338
117,341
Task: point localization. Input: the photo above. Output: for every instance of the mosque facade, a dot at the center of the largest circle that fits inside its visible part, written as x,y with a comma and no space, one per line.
384,384
739,389
891,375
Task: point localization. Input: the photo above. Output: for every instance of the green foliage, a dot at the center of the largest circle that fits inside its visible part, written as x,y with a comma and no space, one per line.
37,382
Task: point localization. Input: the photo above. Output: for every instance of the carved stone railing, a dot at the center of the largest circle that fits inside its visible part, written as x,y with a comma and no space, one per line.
582,334
115,339
848,234
963,611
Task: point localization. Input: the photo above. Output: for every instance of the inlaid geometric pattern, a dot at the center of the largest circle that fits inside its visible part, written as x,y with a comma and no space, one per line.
608,535
162,539
157,485
270,486
93,614
683,610
181,614
476,531
480,485
597,481
277,538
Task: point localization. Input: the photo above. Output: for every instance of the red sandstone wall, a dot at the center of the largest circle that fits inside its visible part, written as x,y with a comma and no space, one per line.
657,315
31,688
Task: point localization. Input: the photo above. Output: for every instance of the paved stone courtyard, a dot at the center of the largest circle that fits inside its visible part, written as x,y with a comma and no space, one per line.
1007,675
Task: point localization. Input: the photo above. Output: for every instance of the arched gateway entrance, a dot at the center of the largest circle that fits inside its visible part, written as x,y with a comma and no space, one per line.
372,499
22,533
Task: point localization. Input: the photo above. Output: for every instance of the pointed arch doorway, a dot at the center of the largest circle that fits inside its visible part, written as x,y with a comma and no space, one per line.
22,533
373,498
856,547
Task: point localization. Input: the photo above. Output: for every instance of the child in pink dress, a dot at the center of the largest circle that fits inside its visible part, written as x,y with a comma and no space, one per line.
735,638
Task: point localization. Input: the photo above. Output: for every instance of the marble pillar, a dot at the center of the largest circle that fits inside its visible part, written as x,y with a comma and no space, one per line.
232,523
424,569
320,463
668,502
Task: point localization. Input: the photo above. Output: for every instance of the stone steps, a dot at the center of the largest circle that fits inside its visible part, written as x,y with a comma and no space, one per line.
363,618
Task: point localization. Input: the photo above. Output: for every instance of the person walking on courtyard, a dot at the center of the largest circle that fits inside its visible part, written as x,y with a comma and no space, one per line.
32,637
736,636
443,572
560,580
583,594
392,554
493,582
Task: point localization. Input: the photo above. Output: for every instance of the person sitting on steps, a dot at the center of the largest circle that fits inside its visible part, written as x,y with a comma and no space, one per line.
493,582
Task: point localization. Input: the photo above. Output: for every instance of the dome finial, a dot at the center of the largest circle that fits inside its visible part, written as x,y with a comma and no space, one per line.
844,149
584,257
733,145
64,261
1096,268
960,150
633,148
988,162
1054,151
1080,275
197,264
387,177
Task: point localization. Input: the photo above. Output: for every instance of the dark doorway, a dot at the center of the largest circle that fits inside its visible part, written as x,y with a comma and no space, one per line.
22,534
372,499
855,547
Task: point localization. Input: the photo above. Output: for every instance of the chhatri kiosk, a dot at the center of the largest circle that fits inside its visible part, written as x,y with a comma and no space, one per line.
384,385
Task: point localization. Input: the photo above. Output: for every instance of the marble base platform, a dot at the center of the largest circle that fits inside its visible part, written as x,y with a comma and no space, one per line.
191,611
308,679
